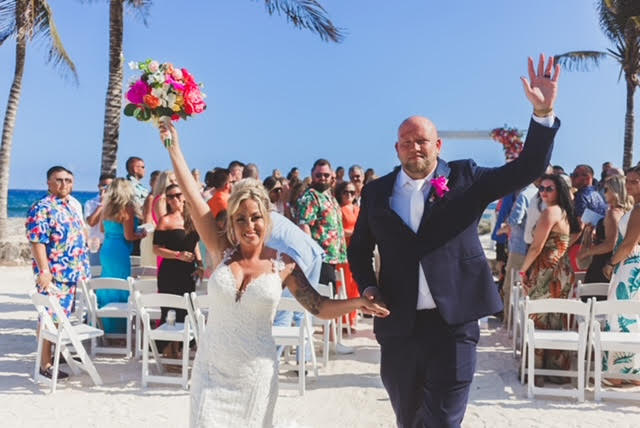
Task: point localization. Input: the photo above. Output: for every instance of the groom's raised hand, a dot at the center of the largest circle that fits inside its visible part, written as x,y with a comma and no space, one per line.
542,86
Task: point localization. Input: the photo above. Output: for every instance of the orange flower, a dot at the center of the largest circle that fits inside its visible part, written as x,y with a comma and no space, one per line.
152,101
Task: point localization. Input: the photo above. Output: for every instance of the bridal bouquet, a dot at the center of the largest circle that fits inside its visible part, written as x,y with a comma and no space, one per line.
162,93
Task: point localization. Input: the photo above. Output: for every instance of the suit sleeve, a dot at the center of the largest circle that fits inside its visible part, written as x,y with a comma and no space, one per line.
494,183
360,251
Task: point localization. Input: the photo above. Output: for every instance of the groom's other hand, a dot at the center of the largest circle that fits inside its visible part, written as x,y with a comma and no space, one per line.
374,296
542,86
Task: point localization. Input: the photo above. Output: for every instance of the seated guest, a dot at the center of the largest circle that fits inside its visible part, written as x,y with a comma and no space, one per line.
546,271
596,250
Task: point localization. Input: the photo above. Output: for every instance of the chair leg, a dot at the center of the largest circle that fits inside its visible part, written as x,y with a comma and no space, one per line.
56,365
185,363
301,368
530,371
581,372
129,322
325,341
138,338
36,371
523,361
597,372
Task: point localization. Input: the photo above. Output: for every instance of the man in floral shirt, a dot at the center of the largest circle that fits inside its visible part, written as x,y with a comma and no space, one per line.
58,245
320,216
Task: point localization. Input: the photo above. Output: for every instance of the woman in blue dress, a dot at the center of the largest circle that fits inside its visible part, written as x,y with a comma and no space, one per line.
119,220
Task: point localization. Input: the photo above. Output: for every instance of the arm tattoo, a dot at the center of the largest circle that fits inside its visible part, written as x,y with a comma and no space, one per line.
305,293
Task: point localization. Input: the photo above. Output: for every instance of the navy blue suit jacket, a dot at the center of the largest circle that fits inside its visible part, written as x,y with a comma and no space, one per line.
446,244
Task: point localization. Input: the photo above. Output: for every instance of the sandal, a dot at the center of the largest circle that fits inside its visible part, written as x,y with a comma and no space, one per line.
48,373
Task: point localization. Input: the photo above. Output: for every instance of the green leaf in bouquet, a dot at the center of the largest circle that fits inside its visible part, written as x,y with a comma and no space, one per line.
129,109
142,114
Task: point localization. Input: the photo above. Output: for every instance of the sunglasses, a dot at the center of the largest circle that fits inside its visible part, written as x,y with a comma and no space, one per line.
63,180
321,175
349,192
547,189
277,189
174,195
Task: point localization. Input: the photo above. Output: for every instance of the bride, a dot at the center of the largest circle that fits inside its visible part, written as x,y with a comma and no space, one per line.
234,379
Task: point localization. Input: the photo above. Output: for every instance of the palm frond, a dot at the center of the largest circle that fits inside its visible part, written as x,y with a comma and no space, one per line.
45,30
580,60
140,9
306,14
614,16
7,19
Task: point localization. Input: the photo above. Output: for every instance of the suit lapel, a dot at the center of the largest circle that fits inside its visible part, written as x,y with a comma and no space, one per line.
442,170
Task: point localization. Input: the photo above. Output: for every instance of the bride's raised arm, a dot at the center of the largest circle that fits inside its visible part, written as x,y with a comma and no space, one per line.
200,212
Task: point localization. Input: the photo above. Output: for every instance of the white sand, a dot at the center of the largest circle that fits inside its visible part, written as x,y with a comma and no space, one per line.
348,393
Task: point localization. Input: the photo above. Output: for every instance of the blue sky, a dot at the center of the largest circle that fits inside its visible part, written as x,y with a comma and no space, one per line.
280,97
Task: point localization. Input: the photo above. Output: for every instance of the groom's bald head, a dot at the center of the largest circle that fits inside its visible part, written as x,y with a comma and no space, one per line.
418,146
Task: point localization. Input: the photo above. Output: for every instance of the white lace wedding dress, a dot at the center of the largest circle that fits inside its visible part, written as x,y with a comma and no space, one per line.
234,382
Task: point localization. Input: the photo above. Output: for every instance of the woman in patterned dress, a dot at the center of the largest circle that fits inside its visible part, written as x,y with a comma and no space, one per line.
546,271
625,283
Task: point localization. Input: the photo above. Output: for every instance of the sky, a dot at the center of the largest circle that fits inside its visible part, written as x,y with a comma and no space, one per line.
281,97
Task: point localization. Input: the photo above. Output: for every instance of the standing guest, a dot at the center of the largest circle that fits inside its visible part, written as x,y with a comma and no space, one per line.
251,171
546,270
346,193
93,209
595,252
209,190
135,173
536,206
557,170
320,216
294,174
297,190
221,181
339,175
274,189
587,195
118,222
504,208
60,254
147,258
198,177
175,240
605,168
155,207
517,246
235,169
356,176
625,268
424,217
369,176
276,174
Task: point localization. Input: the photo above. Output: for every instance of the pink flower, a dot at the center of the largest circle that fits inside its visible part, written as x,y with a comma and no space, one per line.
137,91
154,66
193,101
176,74
188,78
440,185
176,85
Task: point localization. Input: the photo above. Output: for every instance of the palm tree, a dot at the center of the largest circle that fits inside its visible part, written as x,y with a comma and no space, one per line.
26,20
303,14
620,22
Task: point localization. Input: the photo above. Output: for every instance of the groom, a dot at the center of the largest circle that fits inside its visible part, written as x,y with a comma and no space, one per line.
434,276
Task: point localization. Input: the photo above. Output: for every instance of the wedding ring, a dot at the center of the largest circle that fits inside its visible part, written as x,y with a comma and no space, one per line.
547,76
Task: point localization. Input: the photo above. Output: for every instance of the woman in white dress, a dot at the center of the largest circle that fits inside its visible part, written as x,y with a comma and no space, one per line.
234,379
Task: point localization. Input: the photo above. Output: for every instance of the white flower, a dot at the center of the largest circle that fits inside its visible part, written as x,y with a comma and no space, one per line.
157,92
133,65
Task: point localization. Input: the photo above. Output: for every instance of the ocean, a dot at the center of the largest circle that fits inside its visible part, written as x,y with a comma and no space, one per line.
20,200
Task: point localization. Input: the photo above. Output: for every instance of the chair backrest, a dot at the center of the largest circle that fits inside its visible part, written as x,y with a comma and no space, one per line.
340,278
592,289
560,306
42,302
616,307
108,284
135,260
96,271
137,271
325,290
290,304
579,276
156,300
144,286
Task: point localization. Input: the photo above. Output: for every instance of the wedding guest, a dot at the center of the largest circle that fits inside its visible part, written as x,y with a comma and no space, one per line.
339,175
346,193
557,170
155,206
605,167
59,250
595,251
209,189
546,270
369,176
319,216
251,171
297,190
503,209
175,240
93,211
294,174
118,222
587,195
276,174
235,169
197,176
536,206
147,258
222,181
623,269
274,189
356,176
135,173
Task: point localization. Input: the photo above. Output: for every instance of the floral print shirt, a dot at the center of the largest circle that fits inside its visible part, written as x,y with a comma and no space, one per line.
56,224
140,191
322,213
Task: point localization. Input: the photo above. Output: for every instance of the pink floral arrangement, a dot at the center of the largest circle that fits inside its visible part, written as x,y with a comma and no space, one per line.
163,92
440,185
511,140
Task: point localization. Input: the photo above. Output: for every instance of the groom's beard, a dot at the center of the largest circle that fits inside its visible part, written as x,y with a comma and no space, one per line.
321,187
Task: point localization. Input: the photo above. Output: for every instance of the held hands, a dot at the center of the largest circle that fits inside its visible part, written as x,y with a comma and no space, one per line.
373,303
542,86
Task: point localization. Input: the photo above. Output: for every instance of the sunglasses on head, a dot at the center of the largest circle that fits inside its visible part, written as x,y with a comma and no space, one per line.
174,195
547,189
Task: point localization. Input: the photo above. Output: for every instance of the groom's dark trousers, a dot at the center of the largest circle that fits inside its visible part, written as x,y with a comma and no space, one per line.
428,356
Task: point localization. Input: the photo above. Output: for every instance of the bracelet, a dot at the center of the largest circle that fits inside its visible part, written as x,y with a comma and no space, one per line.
178,255
543,112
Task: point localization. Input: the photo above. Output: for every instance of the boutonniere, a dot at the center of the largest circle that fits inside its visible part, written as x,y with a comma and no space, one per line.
440,186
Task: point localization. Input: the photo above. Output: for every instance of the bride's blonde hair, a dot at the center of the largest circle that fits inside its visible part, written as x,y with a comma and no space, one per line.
248,188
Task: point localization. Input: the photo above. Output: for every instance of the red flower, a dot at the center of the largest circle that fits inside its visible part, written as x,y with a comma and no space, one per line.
193,101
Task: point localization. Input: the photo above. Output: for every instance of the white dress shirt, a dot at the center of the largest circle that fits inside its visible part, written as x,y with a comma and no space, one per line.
400,202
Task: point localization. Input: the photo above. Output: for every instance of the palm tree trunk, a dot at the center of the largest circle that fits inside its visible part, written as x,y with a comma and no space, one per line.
10,116
113,102
627,157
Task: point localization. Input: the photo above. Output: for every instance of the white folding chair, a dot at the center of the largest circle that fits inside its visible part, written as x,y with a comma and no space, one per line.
135,260
201,308
341,293
96,271
110,310
554,339
590,289
63,336
613,341
179,332
144,271
143,286
511,302
517,318
326,291
298,336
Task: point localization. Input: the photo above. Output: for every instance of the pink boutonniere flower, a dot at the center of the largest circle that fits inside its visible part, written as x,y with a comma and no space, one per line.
440,185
